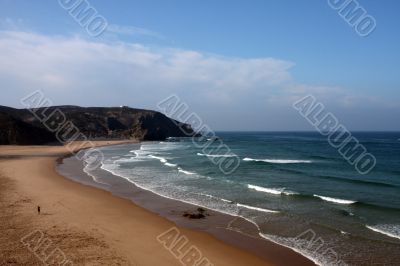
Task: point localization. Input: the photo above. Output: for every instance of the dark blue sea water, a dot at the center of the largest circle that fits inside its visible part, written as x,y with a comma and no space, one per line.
295,187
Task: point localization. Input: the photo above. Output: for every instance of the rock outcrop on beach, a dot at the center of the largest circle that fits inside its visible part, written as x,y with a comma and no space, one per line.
22,127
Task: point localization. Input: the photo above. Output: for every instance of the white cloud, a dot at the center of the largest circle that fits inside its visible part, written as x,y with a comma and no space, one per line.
74,63
73,70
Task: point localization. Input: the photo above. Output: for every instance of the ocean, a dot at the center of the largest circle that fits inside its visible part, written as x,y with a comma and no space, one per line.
293,186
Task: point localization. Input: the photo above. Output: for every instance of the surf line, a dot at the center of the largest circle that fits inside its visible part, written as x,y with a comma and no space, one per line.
203,137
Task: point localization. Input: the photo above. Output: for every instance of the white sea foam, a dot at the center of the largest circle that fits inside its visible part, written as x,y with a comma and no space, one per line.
211,208
334,200
211,196
290,193
163,160
217,206
225,200
277,161
140,153
216,155
392,230
185,172
94,177
224,211
301,247
144,148
170,164
256,208
272,190
267,190
127,160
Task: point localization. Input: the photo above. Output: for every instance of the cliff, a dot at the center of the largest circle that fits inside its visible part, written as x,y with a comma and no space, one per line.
21,127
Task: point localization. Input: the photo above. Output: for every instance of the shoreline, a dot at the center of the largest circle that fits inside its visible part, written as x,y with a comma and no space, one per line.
224,252
246,236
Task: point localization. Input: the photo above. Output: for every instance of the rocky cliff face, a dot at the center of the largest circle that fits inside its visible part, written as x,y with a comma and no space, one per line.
20,126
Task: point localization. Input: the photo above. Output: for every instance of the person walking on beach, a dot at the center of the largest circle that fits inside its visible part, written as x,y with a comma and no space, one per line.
38,209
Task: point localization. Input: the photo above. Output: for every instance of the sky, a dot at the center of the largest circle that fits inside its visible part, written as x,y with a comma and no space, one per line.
238,65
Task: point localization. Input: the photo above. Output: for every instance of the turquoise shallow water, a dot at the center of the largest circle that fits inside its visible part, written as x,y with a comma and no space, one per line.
295,187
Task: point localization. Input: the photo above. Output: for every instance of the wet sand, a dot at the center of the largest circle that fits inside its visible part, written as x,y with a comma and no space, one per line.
93,227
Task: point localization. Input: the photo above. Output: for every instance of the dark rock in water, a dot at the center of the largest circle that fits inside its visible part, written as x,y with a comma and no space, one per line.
20,126
194,215
201,214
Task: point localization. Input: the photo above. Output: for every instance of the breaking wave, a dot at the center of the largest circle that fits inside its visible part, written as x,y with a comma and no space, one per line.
272,191
277,161
391,230
334,200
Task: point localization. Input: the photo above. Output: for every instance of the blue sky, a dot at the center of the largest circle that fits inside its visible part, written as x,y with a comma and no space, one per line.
251,59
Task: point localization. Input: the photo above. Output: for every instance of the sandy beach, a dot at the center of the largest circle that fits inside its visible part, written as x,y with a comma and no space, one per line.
90,226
